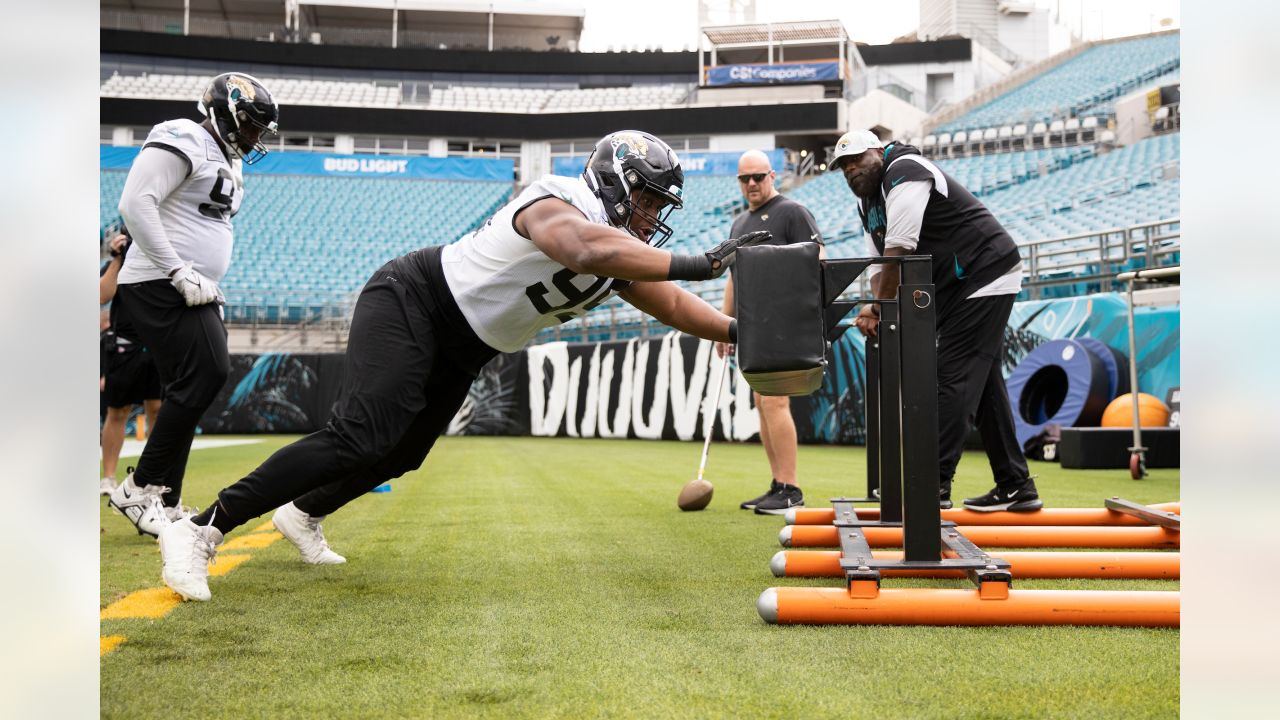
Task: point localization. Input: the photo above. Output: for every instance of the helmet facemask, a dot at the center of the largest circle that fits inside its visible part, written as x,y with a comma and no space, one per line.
256,151
622,211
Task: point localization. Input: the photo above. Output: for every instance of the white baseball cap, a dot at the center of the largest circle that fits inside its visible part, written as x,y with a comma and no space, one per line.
854,142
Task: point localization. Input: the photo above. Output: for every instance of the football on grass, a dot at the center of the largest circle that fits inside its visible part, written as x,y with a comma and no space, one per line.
695,495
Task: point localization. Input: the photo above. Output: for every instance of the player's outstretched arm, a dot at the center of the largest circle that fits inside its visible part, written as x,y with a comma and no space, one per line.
566,236
682,310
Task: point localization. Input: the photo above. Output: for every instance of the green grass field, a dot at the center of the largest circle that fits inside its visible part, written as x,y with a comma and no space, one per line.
529,577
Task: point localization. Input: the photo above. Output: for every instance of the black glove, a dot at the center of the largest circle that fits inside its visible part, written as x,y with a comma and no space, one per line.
722,255
714,262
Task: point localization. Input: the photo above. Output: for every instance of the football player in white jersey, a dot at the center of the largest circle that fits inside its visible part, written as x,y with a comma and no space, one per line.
178,201
427,322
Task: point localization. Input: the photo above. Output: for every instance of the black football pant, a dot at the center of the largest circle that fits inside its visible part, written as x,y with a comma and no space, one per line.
971,389
189,347
400,390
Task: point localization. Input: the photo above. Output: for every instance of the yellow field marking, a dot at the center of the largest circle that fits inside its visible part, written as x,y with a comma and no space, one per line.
155,603
107,643
264,527
149,603
225,564
251,541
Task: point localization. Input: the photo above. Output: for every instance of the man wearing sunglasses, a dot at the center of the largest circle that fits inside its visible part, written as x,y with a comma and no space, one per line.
789,222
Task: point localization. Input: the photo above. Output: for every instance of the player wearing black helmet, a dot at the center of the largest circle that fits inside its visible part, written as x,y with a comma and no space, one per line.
427,322
240,110
624,162
178,201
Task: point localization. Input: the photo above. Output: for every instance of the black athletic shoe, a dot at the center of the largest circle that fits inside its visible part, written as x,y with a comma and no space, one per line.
787,497
774,486
1022,498
944,498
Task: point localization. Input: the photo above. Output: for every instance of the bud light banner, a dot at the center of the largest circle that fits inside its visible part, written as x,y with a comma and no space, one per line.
707,164
383,166
777,73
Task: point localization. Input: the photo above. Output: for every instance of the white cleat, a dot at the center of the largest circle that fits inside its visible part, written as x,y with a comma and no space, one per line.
106,486
304,532
141,506
187,549
179,512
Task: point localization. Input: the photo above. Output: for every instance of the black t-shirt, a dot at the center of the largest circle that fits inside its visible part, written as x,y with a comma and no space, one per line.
788,221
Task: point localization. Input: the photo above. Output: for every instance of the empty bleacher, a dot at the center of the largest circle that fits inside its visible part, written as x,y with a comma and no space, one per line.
443,96
1057,199
287,91
303,243
1084,86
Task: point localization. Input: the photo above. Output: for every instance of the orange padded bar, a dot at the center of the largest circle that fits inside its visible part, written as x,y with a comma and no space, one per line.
927,606
1023,565
999,536
960,516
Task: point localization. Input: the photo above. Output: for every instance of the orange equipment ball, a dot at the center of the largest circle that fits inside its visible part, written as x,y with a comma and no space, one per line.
1151,412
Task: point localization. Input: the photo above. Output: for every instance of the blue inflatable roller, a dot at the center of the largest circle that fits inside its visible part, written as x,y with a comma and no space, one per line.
1060,382
1114,361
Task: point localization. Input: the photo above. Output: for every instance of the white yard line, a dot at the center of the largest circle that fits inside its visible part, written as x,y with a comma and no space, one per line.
133,448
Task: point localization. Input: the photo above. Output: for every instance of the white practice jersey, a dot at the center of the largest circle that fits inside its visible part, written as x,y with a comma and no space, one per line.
507,288
196,216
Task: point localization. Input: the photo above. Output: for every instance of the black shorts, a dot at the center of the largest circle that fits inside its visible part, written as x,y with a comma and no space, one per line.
131,378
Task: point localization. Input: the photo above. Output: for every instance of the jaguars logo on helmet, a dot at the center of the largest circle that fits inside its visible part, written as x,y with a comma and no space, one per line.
627,160
625,144
235,102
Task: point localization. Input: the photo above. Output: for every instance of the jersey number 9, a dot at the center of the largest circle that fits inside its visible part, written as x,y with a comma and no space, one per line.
224,188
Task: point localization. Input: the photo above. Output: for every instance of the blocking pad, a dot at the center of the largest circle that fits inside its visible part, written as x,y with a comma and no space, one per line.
778,303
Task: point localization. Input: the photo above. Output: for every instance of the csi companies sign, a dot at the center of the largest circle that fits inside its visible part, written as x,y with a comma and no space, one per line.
779,73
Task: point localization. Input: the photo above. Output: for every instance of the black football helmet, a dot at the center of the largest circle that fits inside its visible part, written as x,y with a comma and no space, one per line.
235,101
630,159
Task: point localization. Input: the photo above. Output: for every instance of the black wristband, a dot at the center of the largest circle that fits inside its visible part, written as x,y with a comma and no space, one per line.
689,267
733,331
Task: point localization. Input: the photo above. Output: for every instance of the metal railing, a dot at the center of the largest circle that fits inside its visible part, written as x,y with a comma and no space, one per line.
1091,260
989,41
877,78
1001,86
1088,262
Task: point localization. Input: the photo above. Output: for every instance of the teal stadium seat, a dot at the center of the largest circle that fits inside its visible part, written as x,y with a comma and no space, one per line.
304,244
1086,85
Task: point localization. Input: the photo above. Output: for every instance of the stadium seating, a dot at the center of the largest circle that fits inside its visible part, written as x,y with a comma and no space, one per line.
476,98
287,91
304,243
110,185
1036,194
1085,85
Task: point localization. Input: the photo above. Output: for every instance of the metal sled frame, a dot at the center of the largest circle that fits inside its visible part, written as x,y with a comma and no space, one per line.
902,476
